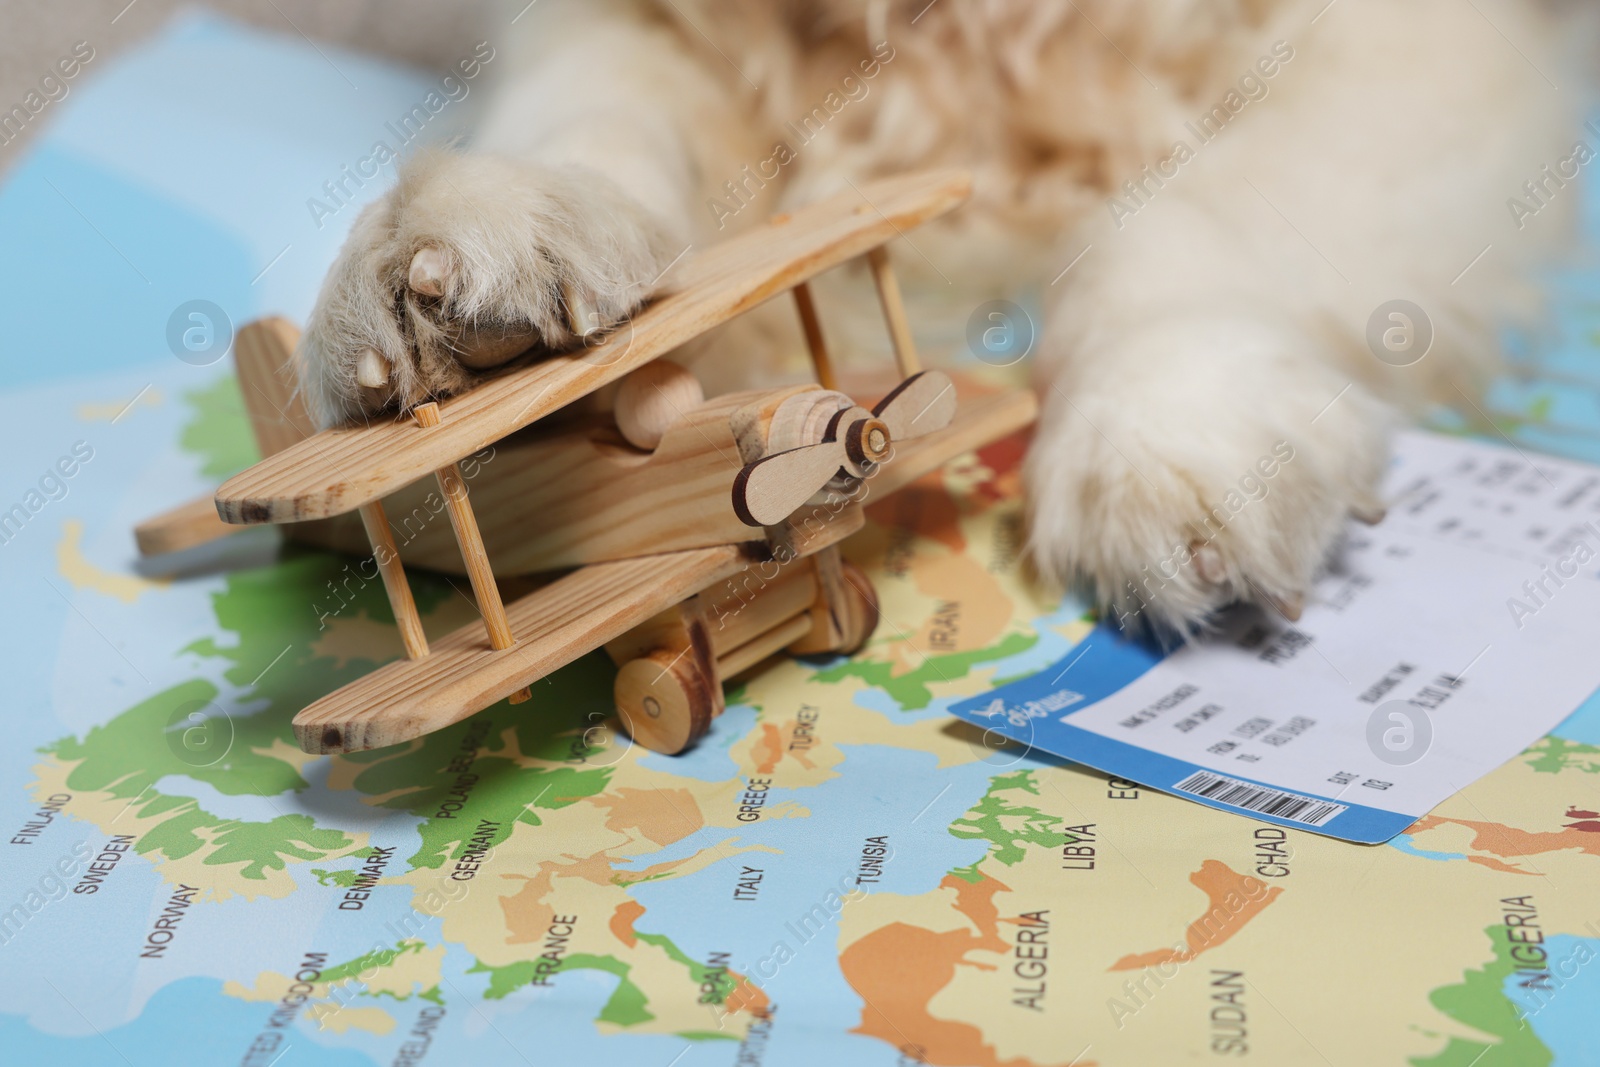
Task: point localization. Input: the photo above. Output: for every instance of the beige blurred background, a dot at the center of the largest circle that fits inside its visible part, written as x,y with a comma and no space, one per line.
35,33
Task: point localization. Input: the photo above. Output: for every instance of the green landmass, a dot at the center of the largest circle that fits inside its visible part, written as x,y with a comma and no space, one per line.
699,973
1552,755
1479,1001
419,779
910,690
1007,822
503,981
342,879
156,738
179,731
376,960
346,877
256,846
220,432
627,1004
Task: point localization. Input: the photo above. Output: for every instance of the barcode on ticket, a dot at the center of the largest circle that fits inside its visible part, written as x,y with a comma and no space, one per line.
1248,795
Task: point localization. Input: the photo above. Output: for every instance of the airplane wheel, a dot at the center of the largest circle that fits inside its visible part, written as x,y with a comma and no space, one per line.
859,617
665,701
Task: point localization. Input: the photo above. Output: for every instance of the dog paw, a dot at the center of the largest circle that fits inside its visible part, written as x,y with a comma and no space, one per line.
468,262
1172,495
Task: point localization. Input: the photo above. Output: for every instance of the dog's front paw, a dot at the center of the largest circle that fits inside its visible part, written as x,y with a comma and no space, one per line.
469,261
1175,495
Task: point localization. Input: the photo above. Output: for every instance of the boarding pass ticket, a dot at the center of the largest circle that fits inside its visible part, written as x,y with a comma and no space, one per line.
1437,645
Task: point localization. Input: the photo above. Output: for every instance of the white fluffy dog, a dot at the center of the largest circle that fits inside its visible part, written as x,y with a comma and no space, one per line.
1214,199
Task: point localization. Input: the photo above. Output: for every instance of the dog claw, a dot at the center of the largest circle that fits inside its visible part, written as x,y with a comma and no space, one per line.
1290,607
428,270
1370,514
372,369
582,317
1208,563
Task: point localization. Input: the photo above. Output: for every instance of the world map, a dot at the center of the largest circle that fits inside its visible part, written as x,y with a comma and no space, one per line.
183,885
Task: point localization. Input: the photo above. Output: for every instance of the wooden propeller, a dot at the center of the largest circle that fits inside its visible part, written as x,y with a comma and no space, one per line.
919,405
856,440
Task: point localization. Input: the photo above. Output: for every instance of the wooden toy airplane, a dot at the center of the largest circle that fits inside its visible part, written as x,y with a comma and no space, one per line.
704,532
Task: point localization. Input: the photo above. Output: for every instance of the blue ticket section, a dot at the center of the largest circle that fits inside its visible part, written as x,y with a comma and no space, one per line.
1038,711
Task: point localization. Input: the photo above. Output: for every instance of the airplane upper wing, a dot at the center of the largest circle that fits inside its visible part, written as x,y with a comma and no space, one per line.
338,470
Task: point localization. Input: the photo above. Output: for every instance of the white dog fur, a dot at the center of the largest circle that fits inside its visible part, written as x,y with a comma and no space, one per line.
1213,322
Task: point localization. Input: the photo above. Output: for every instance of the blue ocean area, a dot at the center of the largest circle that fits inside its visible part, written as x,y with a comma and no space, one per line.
1582,725
904,797
1404,843
1560,1008
185,1023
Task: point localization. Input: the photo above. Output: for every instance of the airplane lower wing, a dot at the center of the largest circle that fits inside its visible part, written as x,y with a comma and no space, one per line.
555,625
